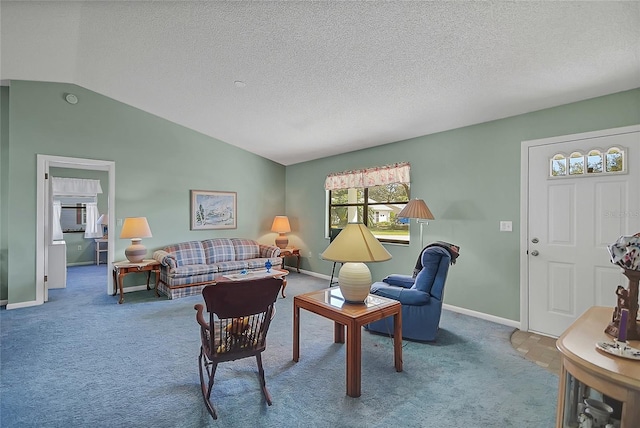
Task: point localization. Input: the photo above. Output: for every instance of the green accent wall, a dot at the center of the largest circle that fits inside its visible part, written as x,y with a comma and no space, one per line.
470,179
157,163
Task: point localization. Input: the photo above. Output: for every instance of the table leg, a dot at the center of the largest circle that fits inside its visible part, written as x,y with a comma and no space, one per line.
296,332
157,273
354,357
397,341
148,279
298,264
338,333
120,280
284,285
115,281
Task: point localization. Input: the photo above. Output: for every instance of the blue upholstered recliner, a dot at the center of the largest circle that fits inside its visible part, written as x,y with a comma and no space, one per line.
421,298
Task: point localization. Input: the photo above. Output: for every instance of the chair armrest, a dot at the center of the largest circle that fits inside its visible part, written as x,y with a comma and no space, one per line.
165,259
200,317
406,296
268,251
405,281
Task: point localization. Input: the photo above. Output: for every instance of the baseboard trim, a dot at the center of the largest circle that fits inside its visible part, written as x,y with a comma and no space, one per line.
21,305
482,315
3,302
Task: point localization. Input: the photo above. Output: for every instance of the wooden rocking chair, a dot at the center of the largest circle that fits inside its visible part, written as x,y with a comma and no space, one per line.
239,317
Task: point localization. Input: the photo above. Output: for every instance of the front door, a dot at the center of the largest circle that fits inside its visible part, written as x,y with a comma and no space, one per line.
571,220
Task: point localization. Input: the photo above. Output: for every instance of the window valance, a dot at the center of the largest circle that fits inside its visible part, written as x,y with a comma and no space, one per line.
75,186
369,177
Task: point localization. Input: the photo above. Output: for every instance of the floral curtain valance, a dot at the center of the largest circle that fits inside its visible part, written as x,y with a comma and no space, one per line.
75,186
369,177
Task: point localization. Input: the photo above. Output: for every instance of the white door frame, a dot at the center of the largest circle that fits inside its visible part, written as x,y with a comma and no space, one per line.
524,204
44,162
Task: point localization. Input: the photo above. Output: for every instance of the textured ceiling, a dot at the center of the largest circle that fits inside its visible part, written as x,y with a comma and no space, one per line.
323,78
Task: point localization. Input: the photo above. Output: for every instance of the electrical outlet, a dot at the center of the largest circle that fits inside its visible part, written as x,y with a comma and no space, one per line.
79,247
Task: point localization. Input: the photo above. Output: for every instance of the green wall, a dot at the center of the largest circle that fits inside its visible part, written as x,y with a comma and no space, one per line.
470,178
157,163
4,188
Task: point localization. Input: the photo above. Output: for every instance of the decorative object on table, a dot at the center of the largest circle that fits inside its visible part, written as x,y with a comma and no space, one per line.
281,226
268,265
625,252
354,247
619,349
103,220
418,209
598,411
213,210
135,228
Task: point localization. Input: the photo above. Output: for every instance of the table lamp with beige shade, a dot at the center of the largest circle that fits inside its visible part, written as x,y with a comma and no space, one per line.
135,228
354,247
418,209
281,226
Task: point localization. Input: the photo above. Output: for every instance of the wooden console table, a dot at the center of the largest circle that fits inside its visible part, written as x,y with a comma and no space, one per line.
121,269
615,377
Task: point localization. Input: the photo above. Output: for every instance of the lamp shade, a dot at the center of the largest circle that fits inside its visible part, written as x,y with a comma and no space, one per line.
354,247
135,228
103,219
281,225
356,244
416,208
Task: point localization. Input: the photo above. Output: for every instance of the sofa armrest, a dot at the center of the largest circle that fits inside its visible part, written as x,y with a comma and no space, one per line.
406,296
269,251
405,281
165,259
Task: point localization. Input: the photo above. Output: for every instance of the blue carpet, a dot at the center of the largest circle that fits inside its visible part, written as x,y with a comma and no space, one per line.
82,360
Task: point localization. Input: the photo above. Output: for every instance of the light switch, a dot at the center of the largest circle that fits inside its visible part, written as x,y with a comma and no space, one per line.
119,222
506,226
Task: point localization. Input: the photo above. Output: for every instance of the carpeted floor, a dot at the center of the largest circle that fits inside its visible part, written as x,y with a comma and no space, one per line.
83,360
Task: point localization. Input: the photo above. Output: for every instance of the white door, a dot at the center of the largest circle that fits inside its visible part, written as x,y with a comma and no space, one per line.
571,220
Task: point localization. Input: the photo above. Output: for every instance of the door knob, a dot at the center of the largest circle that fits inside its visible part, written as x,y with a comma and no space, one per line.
535,253
535,240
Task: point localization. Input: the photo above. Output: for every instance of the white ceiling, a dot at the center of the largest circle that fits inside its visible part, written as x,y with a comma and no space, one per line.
324,78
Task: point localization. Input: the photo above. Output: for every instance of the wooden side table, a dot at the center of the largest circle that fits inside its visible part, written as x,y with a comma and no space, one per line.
291,252
330,304
99,249
121,269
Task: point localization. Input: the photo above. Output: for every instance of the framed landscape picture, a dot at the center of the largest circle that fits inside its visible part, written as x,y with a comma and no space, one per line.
213,210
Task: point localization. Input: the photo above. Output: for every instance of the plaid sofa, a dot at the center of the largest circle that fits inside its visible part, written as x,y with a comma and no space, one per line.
187,267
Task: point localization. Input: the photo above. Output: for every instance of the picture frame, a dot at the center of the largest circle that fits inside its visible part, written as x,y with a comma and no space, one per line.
213,210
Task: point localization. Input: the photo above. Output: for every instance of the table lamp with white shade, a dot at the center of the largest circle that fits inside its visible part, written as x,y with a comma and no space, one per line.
135,228
103,221
281,226
354,247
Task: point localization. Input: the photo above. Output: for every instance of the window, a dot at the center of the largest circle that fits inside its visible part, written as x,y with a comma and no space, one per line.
614,156
73,218
376,205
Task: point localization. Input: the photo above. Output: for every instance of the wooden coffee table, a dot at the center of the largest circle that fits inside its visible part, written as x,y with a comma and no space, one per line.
275,273
329,303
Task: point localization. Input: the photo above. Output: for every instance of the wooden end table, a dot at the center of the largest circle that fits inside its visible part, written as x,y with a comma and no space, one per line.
329,303
121,269
291,252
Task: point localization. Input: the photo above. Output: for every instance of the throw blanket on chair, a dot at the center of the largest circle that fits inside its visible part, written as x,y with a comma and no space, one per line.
453,249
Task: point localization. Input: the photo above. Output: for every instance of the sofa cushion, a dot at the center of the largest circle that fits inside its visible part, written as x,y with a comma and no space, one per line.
191,270
246,248
232,265
187,253
218,250
276,262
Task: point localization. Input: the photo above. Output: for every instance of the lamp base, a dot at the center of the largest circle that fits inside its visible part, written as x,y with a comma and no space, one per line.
282,241
354,281
136,251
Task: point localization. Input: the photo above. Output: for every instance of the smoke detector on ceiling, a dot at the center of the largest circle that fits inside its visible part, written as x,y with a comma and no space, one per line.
71,99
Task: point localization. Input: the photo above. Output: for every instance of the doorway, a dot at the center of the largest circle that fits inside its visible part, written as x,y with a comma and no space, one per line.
43,207
569,217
